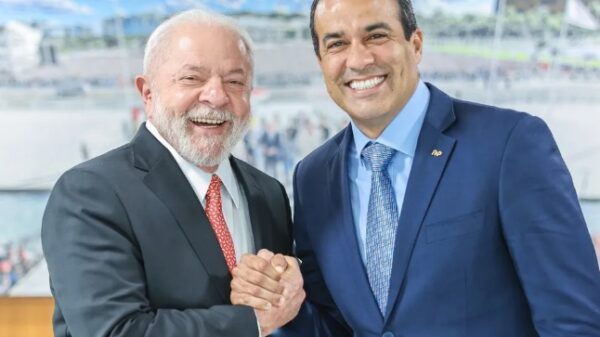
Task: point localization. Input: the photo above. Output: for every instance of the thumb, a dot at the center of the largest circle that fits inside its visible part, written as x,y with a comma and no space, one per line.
279,263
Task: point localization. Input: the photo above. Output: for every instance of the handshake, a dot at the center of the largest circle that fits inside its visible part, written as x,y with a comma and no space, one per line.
271,284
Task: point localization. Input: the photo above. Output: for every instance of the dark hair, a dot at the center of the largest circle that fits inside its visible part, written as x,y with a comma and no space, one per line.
407,19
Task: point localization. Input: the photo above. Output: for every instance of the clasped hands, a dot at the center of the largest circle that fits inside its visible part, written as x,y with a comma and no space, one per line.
271,284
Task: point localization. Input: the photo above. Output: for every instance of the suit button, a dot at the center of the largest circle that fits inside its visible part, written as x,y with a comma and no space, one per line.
387,334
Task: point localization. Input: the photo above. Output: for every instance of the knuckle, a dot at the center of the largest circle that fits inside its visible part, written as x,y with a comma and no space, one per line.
234,298
255,291
264,251
256,278
236,284
244,258
261,264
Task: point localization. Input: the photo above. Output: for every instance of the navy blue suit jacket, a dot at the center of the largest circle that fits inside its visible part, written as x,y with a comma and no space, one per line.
491,239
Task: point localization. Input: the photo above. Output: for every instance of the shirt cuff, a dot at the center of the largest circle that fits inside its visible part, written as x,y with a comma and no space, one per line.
257,323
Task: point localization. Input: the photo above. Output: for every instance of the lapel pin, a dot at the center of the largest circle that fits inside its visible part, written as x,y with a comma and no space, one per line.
437,153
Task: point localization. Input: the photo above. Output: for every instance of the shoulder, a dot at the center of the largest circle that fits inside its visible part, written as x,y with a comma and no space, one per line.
323,154
488,122
108,168
486,113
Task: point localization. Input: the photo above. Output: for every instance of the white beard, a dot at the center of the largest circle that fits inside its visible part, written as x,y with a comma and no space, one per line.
204,151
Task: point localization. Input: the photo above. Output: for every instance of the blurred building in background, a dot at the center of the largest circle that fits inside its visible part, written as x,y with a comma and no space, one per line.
19,49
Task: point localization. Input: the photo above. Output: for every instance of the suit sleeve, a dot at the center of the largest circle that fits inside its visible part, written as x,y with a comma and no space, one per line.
97,272
319,315
547,235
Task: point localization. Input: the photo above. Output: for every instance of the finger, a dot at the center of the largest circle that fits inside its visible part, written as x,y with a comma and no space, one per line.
245,299
260,265
240,286
292,261
265,254
279,262
297,301
257,278
291,308
292,278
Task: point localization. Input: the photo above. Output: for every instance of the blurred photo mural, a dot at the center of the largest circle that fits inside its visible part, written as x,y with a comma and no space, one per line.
66,90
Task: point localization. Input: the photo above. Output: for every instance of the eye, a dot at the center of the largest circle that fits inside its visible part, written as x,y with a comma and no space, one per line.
188,78
376,36
335,44
236,82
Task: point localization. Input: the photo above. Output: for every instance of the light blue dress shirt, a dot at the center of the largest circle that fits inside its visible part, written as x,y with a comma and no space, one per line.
402,135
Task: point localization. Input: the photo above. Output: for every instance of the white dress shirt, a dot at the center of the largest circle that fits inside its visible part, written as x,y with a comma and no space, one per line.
401,135
233,199
235,206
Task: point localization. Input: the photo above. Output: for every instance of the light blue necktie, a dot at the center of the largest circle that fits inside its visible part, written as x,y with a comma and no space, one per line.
382,222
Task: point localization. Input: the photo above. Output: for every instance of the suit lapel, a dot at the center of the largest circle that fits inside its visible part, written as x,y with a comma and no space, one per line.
170,185
431,156
343,244
261,225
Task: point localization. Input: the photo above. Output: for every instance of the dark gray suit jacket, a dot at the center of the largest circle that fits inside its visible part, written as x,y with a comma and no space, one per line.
131,253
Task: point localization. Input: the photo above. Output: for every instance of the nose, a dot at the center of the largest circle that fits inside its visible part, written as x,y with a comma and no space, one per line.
359,57
213,93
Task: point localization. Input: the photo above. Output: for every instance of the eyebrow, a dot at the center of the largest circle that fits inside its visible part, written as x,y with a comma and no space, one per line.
378,25
237,71
331,36
201,69
194,68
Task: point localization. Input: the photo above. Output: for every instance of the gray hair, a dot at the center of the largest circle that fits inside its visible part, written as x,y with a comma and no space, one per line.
158,41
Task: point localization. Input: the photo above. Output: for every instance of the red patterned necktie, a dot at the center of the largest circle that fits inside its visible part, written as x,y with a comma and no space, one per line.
214,212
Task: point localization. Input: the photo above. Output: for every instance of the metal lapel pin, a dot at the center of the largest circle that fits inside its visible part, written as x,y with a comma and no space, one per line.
437,153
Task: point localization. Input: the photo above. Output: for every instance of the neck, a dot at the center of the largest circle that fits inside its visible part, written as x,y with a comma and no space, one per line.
209,169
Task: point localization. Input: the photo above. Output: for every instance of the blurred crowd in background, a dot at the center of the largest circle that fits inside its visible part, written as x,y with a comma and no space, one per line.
15,261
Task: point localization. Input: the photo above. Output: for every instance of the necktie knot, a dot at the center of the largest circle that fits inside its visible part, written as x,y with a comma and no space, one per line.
214,188
378,156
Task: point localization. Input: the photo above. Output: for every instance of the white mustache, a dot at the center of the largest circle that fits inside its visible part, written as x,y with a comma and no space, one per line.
203,111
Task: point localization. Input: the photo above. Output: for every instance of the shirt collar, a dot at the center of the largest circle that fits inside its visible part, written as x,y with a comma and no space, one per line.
403,131
198,178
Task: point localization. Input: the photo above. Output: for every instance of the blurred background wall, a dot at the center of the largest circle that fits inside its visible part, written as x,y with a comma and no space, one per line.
66,94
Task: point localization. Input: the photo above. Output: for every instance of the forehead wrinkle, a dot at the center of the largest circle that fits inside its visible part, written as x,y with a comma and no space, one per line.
194,67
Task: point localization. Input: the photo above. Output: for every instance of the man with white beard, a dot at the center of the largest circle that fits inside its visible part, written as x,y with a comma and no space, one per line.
143,240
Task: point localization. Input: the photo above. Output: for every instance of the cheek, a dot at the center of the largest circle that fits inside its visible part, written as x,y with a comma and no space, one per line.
179,95
241,105
183,100
332,68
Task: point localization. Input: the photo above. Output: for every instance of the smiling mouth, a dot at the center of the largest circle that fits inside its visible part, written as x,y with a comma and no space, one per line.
366,84
206,122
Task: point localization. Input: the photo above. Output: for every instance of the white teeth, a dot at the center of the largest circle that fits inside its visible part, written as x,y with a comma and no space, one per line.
207,121
367,84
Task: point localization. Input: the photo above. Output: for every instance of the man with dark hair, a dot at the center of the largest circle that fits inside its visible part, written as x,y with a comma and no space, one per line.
406,16
431,216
